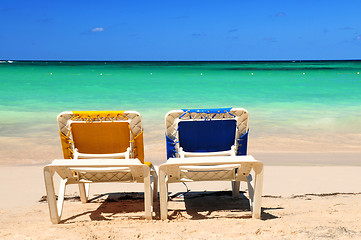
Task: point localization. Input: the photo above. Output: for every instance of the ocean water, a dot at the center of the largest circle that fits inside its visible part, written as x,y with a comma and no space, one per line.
294,106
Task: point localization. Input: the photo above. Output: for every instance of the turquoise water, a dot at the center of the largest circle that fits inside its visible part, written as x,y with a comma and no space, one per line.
159,86
49,86
299,98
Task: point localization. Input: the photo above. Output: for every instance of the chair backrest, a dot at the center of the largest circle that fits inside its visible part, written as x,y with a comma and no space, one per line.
207,136
206,130
101,132
101,137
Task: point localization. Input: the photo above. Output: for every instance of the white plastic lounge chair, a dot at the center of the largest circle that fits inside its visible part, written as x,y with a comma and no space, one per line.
104,146
209,145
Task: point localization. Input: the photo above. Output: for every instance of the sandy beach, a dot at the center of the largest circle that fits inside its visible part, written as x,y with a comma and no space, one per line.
311,191
299,202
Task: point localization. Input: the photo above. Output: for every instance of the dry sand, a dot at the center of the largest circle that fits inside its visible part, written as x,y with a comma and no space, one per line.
299,202
207,216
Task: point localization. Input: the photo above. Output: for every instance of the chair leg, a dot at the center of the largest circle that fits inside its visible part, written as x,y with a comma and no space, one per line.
148,200
250,191
163,194
61,196
235,189
155,185
258,192
84,192
55,208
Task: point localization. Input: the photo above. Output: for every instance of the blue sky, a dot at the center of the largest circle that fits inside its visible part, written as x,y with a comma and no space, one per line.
180,30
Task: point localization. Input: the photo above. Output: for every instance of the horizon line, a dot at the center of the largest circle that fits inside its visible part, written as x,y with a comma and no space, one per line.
312,60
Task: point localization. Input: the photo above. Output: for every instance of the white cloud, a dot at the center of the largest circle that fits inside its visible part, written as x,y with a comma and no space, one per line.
97,29
281,14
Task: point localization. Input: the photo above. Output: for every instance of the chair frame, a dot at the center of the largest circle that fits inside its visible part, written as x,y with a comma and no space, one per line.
94,168
64,168
187,167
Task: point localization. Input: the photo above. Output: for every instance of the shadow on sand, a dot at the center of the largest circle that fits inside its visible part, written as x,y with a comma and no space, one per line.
112,206
210,205
182,205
